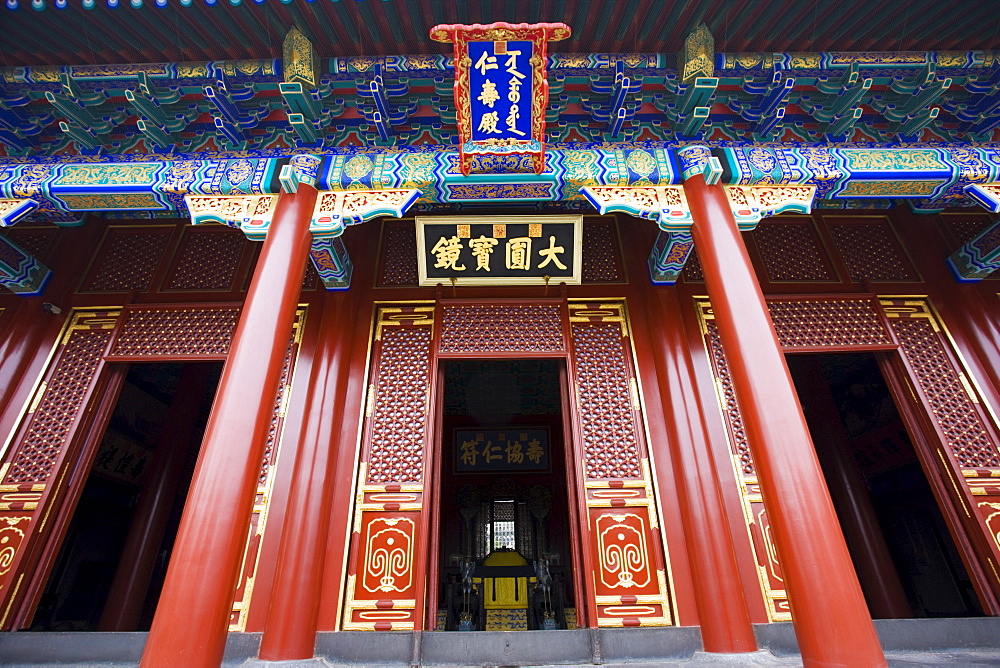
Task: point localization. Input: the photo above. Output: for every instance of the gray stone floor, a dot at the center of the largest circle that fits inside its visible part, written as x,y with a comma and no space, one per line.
927,642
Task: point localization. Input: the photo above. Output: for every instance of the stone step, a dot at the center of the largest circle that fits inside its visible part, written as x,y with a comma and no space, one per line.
911,642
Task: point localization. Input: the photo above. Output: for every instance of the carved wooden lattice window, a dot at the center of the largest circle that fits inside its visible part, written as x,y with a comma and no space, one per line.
791,251
127,259
208,259
871,250
504,523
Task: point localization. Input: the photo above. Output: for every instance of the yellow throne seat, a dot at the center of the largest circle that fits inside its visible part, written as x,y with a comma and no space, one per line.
504,577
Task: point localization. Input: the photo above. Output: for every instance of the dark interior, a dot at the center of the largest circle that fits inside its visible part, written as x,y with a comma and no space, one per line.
152,440
908,563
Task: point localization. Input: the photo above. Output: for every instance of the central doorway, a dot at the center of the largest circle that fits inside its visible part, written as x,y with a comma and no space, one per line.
504,537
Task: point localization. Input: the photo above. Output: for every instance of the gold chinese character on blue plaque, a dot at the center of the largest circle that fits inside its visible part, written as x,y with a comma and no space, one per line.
501,93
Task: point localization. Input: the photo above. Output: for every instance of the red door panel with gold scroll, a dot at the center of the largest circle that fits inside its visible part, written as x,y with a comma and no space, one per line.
385,584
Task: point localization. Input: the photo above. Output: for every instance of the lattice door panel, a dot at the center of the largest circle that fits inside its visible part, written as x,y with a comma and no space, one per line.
33,477
504,327
384,569
627,577
967,440
769,573
265,481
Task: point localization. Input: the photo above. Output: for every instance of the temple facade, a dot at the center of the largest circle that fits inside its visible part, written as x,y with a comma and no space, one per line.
497,334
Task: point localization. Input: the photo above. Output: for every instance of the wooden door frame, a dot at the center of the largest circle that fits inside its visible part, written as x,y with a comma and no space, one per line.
855,323
616,504
200,327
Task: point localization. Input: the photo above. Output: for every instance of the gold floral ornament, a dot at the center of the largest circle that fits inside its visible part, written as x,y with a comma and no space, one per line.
181,175
641,162
698,57
299,60
335,209
250,213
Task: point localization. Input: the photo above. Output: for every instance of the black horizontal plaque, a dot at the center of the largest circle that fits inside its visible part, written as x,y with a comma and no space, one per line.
508,449
511,250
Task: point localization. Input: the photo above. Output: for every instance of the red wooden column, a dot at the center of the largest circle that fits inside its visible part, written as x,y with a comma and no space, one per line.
192,617
829,613
290,629
722,608
24,337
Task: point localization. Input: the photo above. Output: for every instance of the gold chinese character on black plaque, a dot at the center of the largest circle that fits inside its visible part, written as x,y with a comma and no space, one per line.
499,250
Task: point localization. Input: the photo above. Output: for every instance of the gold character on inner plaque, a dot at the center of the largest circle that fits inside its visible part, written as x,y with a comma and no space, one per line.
486,62
519,253
489,94
491,452
535,451
550,254
514,454
469,453
488,123
447,252
482,248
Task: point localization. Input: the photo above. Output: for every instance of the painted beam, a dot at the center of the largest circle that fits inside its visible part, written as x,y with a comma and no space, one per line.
871,172
332,263
980,257
19,271
936,177
669,255
300,169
